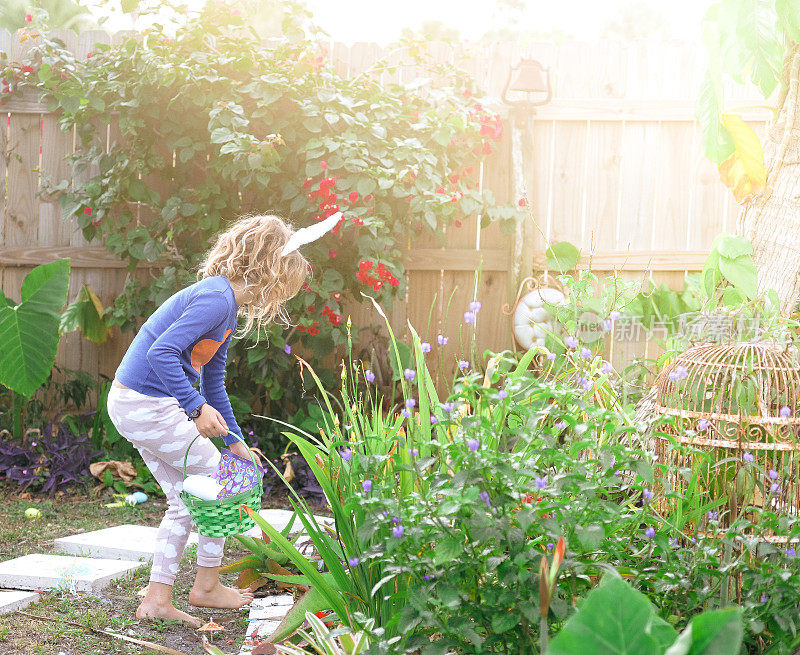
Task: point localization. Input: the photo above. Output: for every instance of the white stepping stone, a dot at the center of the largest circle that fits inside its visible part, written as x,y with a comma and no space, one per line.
11,601
125,542
74,574
264,618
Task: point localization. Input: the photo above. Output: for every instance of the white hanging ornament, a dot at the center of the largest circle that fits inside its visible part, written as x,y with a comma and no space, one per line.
532,321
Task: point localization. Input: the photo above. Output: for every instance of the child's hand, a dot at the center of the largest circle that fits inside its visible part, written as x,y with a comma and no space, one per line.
210,422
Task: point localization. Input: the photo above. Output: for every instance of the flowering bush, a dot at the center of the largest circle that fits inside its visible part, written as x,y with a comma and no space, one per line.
211,123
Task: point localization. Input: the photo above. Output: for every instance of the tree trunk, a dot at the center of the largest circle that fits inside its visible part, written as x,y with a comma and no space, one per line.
771,220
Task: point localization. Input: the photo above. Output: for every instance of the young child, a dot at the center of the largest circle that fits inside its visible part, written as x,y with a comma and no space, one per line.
153,404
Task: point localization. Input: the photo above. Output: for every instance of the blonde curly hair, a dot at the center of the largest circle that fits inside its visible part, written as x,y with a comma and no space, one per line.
250,250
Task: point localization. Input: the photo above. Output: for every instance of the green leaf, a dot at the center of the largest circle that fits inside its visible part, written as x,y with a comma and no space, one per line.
404,352
718,632
29,331
562,256
86,314
591,536
311,601
613,619
741,273
447,550
789,17
129,5
716,139
733,247
503,621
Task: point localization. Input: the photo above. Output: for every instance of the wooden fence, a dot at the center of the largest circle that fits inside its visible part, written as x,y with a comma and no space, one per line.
612,164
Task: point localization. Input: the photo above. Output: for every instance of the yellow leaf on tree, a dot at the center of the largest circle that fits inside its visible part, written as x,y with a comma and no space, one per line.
744,171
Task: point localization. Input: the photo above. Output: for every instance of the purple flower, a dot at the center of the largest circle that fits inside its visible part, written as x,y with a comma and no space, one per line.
353,561
367,486
560,425
473,444
434,420
396,520
774,488
678,374
648,495
540,483
427,577
463,364
425,347
748,457
712,516
614,315
571,342
414,452
791,552
672,541
409,374
549,545
586,383
607,368
773,474
764,598
785,412
287,349
385,514
406,412
484,496
703,424
469,317
650,532
397,531
586,353
442,340
551,357
345,454
475,306
411,403
369,375
502,394
448,407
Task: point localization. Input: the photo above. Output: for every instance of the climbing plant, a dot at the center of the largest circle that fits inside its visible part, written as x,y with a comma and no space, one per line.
211,123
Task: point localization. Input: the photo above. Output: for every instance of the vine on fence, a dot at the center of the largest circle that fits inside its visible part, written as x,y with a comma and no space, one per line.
211,123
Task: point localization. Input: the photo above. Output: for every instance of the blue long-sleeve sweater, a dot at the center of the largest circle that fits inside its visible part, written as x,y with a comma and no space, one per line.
185,338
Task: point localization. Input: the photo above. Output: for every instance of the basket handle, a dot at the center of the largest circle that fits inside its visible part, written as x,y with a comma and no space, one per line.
191,443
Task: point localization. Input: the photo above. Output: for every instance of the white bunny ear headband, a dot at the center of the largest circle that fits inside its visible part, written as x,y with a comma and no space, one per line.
311,233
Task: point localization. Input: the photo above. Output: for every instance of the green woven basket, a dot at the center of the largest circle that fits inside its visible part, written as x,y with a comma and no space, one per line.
223,517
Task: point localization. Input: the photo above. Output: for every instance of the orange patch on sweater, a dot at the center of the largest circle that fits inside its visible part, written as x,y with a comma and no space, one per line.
204,350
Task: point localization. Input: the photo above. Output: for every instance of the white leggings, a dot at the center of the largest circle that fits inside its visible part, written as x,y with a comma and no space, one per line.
161,432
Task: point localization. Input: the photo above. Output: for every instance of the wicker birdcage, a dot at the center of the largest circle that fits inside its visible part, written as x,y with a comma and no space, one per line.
733,434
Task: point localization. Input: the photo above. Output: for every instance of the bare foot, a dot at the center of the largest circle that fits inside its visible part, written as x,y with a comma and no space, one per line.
150,610
221,597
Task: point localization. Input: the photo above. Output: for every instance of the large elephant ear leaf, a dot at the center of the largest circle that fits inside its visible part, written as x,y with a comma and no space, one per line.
29,331
45,288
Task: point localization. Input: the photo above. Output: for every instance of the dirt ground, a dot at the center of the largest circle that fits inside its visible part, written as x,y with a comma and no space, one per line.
114,608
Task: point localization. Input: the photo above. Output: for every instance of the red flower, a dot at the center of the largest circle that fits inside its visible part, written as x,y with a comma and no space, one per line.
311,308
28,18
87,211
324,165
368,198
457,223
96,223
358,221
27,69
313,331
353,196
307,181
332,253
336,295
523,202
364,265
326,182
440,189
466,93
89,55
